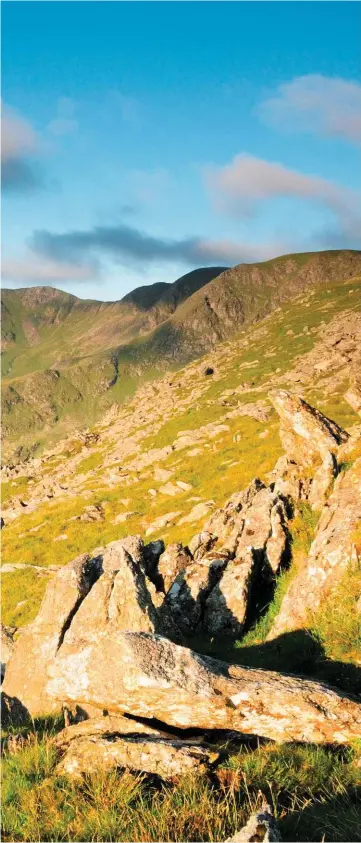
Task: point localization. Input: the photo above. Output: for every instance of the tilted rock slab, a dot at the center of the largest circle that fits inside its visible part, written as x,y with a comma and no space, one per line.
37,644
149,676
329,556
311,441
105,726
165,758
304,431
90,595
117,741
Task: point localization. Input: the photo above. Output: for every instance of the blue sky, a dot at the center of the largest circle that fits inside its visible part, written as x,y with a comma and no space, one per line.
140,140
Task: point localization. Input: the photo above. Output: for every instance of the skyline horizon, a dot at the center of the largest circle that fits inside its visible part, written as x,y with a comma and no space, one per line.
139,143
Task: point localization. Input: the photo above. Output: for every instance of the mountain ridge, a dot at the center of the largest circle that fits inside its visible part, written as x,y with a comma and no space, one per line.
69,359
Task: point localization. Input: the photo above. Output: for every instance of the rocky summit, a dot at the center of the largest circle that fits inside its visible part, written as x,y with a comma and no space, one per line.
182,580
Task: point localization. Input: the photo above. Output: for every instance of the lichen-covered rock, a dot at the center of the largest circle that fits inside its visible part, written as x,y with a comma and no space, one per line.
122,598
311,442
149,676
105,726
322,482
86,597
329,556
226,523
172,562
260,827
227,605
201,543
305,432
186,597
255,540
146,753
37,644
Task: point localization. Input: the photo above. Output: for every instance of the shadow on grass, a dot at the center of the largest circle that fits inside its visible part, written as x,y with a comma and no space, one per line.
333,820
296,652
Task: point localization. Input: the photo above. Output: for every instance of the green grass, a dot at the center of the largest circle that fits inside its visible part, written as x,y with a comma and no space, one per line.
337,625
25,587
314,792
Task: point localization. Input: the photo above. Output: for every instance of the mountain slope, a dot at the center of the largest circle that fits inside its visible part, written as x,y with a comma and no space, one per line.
67,360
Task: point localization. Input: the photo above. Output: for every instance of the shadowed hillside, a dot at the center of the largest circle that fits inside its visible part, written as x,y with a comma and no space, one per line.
66,360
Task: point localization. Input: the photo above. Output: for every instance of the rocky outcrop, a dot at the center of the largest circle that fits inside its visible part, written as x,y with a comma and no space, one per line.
305,432
172,562
261,827
150,677
88,596
330,554
249,540
38,643
311,442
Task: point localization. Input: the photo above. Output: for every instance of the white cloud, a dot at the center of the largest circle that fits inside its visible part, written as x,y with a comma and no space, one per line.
17,136
316,103
38,271
231,252
245,183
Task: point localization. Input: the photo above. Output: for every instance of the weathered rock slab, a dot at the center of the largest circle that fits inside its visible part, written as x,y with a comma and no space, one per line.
149,676
146,753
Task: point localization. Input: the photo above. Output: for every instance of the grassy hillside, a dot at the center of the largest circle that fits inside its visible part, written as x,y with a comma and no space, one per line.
66,361
214,433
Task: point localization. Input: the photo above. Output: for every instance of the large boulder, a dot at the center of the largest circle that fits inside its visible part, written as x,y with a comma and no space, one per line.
123,597
87,597
330,554
150,677
37,644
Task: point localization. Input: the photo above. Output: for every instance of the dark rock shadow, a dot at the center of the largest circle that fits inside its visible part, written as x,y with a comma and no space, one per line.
334,820
296,652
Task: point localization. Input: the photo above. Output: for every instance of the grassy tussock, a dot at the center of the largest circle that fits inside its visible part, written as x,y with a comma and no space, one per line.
338,624
314,793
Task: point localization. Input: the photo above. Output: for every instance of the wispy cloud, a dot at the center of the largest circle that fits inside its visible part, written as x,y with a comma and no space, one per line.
64,122
316,103
132,247
19,145
240,188
35,270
